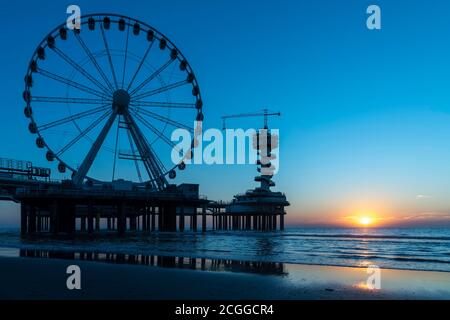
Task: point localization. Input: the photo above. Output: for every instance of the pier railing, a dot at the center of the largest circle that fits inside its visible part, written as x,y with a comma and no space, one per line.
74,193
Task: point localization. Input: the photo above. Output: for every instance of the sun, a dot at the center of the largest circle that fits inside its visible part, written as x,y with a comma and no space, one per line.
365,221
364,218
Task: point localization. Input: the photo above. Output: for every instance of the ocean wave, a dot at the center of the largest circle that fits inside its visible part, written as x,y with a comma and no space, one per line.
420,260
367,236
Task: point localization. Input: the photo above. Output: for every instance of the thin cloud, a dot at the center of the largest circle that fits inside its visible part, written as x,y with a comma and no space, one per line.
428,216
423,196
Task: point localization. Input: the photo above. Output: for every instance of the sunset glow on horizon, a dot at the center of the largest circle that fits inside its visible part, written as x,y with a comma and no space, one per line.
363,219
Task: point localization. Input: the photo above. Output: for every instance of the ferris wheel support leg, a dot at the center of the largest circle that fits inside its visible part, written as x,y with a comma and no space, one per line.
150,160
87,162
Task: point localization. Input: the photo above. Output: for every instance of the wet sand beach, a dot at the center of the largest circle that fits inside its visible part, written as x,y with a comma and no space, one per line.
36,278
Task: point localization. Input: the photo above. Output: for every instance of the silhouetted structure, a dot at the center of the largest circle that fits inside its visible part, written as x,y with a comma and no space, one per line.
62,209
259,208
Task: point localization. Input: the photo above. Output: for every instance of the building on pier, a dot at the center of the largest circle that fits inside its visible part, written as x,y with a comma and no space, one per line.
259,208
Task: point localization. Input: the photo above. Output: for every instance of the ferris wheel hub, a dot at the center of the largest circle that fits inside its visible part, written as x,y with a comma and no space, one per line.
121,100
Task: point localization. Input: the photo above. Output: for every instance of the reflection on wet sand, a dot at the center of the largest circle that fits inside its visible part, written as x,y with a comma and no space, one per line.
272,268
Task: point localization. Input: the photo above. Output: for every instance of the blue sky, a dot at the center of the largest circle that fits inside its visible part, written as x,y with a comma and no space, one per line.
365,120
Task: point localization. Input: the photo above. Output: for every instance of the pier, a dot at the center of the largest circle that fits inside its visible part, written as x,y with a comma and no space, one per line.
73,211
67,211
256,220
61,208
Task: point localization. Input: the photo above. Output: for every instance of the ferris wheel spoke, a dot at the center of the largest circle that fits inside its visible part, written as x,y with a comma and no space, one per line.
105,42
152,76
72,117
125,57
94,61
140,64
156,131
69,100
156,104
80,69
71,83
93,151
82,134
163,119
160,90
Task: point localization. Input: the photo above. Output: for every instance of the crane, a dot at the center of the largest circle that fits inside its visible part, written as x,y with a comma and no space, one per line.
264,114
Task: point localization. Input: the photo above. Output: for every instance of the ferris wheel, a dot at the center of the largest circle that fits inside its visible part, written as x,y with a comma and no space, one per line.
103,100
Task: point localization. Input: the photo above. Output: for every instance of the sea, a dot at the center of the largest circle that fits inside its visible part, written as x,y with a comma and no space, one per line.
408,248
